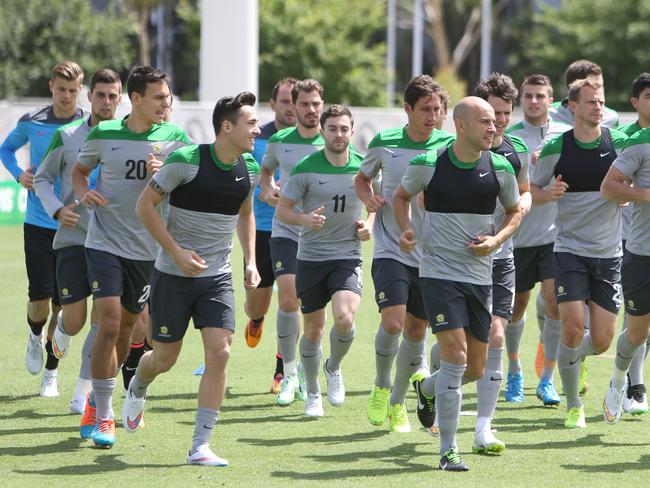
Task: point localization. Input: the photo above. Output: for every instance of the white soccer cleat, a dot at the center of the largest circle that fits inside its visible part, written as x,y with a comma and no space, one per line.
77,405
132,411
60,340
486,443
335,386
288,389
49,388
314,405
34,355
205,457
613,405
635,400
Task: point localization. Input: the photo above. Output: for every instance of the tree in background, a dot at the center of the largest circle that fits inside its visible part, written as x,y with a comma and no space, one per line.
36,34
338,43
613,34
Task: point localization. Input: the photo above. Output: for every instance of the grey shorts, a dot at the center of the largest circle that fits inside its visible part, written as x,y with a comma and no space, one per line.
72,274
503,287
317,281
454,305
283,255
397,284
209,301
582,278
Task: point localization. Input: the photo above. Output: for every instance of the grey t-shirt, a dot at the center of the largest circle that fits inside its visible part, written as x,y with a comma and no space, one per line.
538,226
587,224
284,149
57,164
388,155
634,163
445,235
123,155
316,182
194,220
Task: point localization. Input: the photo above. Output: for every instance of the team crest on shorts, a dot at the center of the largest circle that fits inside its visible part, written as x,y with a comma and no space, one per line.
65,292
95,285
440,320
381,296
164,331
278,265
630,305
561,290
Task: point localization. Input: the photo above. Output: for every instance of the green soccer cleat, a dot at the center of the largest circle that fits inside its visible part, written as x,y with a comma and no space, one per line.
377,407
398,419
451,461
575,418
288,388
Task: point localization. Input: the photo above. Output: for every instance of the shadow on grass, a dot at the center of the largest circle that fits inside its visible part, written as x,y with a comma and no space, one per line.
255,420
16,398
32,415
66,445
328,439
590,440
640,465
39,430
107,463
398,459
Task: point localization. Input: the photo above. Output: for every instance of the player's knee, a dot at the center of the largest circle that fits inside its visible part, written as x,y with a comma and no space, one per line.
164,363
344,322
521,302
109,329
497,339
288,303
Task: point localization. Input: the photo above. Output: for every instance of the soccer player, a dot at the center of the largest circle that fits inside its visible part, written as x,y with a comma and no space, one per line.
587,250
635,400
580,70
395,274
500,92
329,251
461,185
71,273
210,188
284,149
258,299
119,251
533,245
632,165
36,129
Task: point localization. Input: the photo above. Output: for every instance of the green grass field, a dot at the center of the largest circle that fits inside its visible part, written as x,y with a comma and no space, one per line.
272,446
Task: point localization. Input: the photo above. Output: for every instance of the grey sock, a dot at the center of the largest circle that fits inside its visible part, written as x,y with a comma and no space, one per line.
385,350
288,326
514,331
203,425
434,358
425,345
587,317
625,352
103,389
339,346
84,369
408,361
138,386
487,388
568,363
552,333
540,307
311,354
448,402
637,364
428,386
586,346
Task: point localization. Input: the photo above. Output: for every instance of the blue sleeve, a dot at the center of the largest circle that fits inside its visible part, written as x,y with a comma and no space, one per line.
16,139
258,150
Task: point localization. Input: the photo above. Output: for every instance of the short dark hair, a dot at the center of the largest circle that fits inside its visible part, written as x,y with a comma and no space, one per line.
497,85
640,83
227,108
335,111
578,85
141,76
104,75
67,70
538,80
309,85
423,86
581,69
284,81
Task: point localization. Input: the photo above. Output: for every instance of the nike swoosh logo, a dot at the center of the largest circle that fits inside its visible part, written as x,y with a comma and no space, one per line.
307,357
573,362
130,369
322,182
481,175
206,427
492,378
346,342
289,150
453,387
395,155
383,355
602,155
507,154
284,336
416,364
417,390
240,178
133,424
115,148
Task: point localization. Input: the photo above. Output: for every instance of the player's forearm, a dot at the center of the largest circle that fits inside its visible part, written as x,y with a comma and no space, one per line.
401,211
79,181
8,154
153,222
44,190
509,225
288,215
363,187
266,181
525,202
621,192
539,195
246,236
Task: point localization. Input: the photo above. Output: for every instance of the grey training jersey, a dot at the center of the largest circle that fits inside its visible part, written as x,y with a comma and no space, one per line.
587,224
57,163
388,155
538,226
316,182
459,208
284,149
634,163
123,156
205,196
